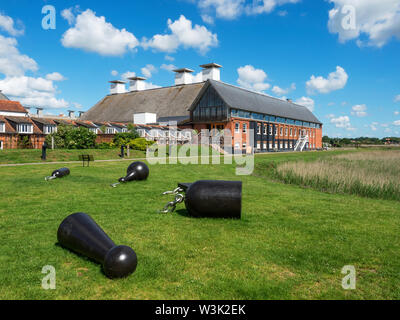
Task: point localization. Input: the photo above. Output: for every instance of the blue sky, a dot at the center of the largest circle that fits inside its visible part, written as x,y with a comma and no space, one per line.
341,62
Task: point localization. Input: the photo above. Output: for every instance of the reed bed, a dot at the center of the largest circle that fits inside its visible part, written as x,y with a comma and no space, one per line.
374,174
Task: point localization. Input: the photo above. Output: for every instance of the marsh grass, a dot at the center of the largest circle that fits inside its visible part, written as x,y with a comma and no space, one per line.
374,174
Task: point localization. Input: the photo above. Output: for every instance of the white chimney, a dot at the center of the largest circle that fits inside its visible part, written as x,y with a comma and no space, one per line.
71,114
137,84
39,112
211,71
117,87
183,76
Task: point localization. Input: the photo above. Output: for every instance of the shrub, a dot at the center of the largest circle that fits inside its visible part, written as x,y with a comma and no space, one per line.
140,144
105,145
69,137
124,138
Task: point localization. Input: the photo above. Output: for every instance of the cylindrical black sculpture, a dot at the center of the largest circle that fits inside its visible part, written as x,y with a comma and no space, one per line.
136,171
58,174
80,233
44,150
214,199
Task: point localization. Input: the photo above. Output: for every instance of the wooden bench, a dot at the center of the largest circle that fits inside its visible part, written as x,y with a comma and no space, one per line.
86,158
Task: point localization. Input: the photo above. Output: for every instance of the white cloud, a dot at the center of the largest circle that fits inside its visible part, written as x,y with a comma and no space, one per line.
225,9
69,14
397,123
231,9
169,58
342,122
281,92
34,92
397,98
282,13
378,20
306,102
267,6
128,74
359,110
114,73
182,34
94,34
7,24
149,85
207,18
168,67
148,70
396,113
55,76
252,78
12,62
30,91
335,81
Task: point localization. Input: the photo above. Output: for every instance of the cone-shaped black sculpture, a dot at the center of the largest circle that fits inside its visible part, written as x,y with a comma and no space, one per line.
136,171
58,174
214,199
80,233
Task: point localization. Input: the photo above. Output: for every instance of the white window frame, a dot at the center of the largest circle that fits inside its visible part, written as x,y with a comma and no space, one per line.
244,145
281,131
237,127
258,129
94,130
237,146
258,145
291,132
2,127
1,145
25,128
244,127
110,130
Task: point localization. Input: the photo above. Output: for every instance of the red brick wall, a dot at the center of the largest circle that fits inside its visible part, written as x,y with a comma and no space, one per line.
104,138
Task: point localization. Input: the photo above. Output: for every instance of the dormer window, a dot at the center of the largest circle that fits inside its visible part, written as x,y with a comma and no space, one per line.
49,129
25,128
110,130
94,130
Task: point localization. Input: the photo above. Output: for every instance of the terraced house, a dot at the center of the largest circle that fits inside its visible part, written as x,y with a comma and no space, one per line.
257,121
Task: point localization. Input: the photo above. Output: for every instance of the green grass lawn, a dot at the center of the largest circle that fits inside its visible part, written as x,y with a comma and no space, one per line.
34,156
291,243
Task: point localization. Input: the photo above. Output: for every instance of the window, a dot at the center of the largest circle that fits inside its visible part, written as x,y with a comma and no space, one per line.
265,130
276,131
244,128
270,145
25,128
110,131
281,131
281,145
258,129
244,145
2,127
211,107
295,132
237,127
50,129
1,145
264,146
124,130
237,146
286,132
94,130
258,145
291,132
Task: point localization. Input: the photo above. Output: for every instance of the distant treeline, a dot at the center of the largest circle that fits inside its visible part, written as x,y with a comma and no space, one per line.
341,142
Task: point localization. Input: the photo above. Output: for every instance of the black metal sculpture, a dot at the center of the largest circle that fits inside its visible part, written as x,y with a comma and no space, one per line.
44,151
58,174
209,198
80,233
136,171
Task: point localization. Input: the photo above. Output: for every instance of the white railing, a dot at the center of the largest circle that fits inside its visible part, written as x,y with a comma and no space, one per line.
301,143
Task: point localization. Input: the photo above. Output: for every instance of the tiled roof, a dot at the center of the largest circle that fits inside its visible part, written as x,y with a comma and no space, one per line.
11,106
